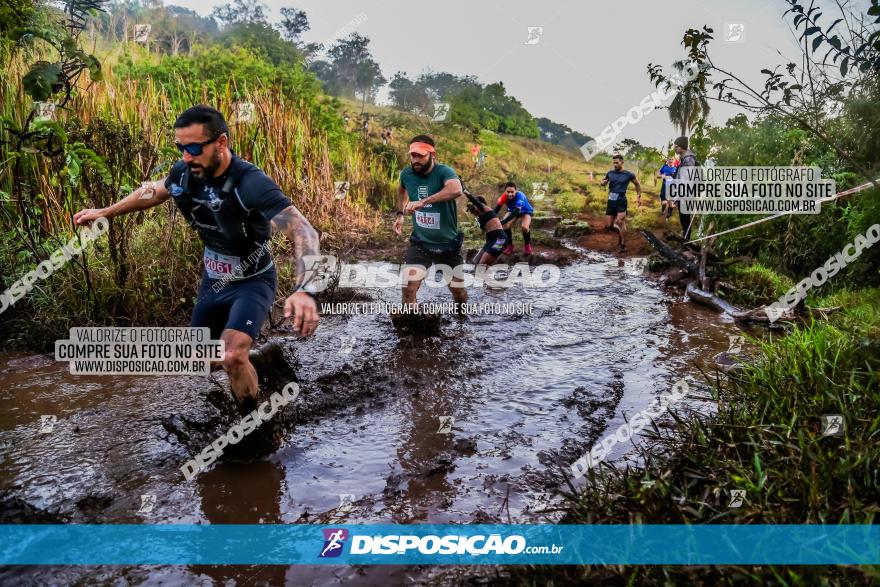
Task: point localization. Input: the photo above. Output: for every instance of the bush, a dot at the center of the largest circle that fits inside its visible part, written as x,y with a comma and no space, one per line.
568,204
211,71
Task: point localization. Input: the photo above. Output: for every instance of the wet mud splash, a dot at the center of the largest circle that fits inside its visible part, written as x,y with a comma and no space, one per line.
473,424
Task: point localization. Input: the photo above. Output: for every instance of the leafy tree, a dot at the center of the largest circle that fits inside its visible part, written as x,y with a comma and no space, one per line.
471,105
561,134
491,108
293,23
408,96
241,12
211,68
368,80
45,78
806,93
350,69
192,20
444,85
821,109
27,142
264,40
633,149
689,106
15,14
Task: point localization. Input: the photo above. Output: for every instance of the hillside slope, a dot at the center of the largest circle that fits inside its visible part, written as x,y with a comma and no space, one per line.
572,193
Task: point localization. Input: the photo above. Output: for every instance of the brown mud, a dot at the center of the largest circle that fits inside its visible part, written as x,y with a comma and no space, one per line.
475,423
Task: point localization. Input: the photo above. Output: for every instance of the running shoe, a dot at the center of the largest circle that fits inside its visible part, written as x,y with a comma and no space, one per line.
528,249
507,250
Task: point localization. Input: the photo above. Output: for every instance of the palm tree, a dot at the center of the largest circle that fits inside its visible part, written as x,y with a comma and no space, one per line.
689,106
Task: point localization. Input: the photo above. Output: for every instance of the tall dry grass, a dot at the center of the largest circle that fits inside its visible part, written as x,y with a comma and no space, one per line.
144,270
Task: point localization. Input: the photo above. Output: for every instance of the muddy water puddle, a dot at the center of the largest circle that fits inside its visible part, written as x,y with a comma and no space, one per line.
472,425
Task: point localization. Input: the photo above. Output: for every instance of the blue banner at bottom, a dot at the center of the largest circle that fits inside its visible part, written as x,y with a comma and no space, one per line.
430,544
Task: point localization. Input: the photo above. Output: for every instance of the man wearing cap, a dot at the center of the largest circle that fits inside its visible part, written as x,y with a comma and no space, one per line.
687,158
428,191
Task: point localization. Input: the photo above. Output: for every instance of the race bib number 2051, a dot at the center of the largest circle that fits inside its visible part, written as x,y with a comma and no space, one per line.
428,219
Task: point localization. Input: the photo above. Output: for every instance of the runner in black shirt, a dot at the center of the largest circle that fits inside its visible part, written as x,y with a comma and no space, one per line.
234,207
496,238
617,181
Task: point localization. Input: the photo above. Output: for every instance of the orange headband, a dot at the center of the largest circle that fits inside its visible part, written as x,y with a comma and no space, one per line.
421,148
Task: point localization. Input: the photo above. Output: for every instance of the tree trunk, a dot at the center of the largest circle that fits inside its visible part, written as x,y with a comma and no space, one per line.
667,252
711,300
695,287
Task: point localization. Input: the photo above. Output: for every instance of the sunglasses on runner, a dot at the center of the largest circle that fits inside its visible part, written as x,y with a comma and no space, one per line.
195,149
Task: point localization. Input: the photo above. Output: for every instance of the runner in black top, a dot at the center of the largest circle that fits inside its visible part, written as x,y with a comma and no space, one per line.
615,213
496,239
234,207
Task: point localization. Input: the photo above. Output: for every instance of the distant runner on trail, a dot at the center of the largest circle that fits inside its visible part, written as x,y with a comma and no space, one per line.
617,180
687,158
234,207
496,238
666,173
518,207
428,190
475,153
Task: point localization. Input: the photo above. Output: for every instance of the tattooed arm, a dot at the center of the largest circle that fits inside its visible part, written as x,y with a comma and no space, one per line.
305,241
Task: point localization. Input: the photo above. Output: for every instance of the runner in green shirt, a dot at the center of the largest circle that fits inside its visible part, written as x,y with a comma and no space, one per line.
428,191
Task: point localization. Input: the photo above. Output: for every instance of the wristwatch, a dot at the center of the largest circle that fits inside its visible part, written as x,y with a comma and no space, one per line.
309,289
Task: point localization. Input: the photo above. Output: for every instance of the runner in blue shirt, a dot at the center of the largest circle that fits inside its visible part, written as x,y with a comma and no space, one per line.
666,173
518,206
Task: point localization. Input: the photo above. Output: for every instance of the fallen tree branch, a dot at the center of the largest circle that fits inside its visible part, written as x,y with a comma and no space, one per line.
699,276
823,312
711,300
667,252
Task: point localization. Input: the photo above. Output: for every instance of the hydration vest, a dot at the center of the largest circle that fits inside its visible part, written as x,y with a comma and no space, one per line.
245,230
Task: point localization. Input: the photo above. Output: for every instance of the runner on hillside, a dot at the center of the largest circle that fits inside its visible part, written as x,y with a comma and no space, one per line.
496,238
518,207
666,174
475,153
234,207
428,190
617,180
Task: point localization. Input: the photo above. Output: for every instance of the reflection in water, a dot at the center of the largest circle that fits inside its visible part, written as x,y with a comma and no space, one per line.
527,395
438,398
242,493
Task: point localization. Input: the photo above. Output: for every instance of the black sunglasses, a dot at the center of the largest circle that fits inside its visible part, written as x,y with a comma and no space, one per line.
195,149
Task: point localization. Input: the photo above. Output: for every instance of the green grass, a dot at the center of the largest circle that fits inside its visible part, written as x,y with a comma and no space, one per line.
755,285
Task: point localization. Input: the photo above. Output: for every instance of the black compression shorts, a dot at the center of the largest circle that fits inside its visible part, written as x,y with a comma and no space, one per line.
615,207
241,305
496,240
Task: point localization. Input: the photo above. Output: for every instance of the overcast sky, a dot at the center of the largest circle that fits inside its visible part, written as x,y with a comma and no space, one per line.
587,69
